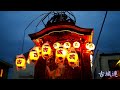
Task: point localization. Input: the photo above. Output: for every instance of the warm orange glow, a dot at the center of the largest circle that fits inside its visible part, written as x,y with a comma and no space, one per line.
67,45
38,41
35,53
1,72
20,61
72,58
46,50
90,46
76,44
56,45
38,50
59,60
61,54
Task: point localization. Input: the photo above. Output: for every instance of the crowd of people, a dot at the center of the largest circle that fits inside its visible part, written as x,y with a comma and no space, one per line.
48,69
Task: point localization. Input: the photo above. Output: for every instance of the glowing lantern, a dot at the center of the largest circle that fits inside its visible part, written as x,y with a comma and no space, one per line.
56,45
34,53
76,44
46,50
60,55
72,58
61,52
67,45
20,62
90,46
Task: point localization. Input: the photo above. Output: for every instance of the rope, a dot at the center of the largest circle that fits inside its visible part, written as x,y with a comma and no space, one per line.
27,28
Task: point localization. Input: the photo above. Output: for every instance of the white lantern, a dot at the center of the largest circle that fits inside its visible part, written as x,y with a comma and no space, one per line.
90,46
67,45
56,45
76,44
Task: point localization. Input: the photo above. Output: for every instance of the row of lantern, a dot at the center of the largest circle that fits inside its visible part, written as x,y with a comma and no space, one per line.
67,45
62,52
76,44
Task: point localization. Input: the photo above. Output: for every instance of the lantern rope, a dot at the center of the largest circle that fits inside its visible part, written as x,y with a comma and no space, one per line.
47,14
27,28
44,18
70,13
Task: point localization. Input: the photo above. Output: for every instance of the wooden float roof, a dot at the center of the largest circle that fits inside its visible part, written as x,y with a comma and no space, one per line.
60,27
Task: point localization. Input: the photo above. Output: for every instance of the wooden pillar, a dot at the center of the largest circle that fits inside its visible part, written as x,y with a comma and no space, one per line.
86,67
40,67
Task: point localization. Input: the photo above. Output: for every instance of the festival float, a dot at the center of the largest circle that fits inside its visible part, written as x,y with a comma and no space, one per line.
62,50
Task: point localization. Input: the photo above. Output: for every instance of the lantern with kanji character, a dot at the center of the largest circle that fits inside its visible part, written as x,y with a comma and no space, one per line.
20,62
61,53
72,58
64,42
46,51
34,53
67,45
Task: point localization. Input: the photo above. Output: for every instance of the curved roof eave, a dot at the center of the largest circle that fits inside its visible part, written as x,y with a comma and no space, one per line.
74,28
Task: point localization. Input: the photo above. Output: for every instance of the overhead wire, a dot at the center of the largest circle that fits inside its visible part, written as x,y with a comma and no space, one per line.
100,33
101,30
27,28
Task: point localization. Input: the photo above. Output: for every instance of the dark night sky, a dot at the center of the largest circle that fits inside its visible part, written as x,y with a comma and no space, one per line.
13,24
